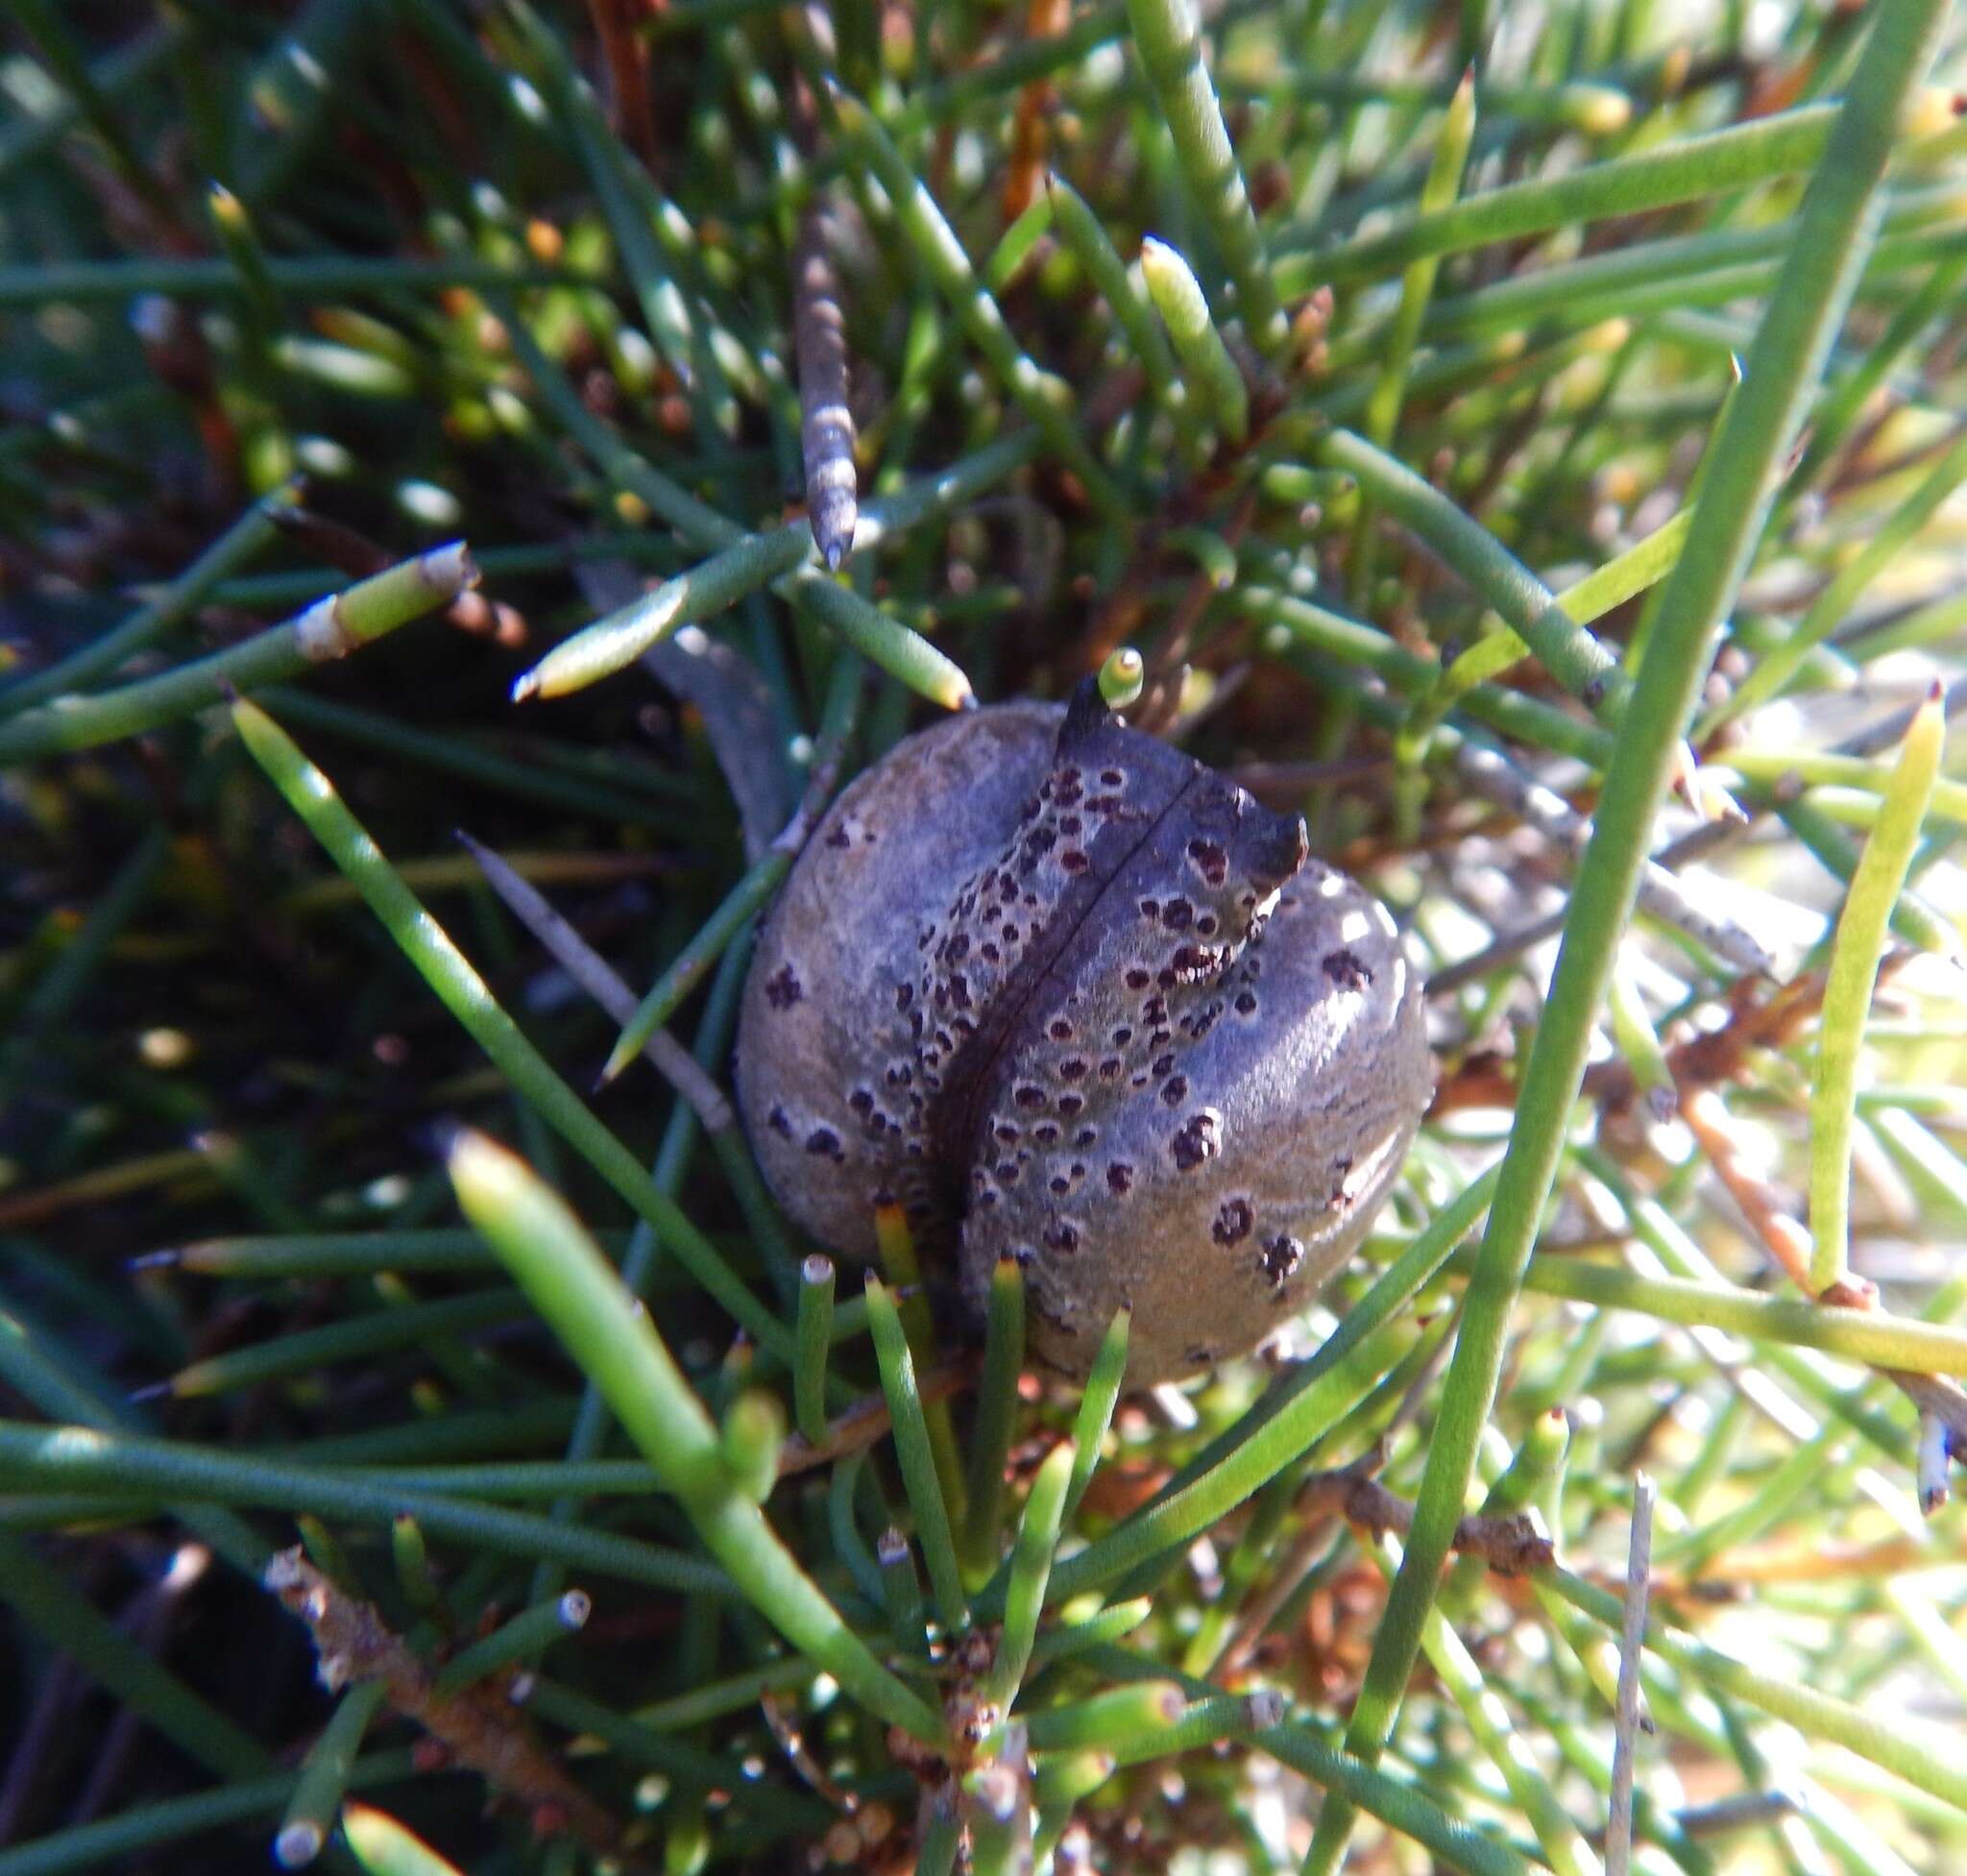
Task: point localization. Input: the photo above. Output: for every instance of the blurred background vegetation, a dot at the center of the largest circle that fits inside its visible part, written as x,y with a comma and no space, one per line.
1532,446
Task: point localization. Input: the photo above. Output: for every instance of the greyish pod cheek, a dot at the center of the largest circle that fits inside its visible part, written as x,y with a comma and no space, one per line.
1218,1199
826,1074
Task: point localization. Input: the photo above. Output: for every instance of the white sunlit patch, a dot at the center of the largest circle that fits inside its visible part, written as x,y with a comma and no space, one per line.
73,1443
1354,928
305,65
693,640
531,106
323,457
1104,66
188,1563
426,503
165,1048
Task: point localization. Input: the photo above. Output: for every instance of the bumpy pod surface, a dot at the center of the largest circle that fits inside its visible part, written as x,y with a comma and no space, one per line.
1068,996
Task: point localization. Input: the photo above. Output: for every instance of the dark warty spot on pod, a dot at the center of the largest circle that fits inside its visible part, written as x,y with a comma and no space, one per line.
1281,1255
1233,1222
1347,970
1196,1142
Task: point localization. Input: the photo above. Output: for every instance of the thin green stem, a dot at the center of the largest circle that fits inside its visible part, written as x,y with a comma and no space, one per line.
912,1450
1788,144
1168,35
1213,384
310,1816
312,277
50,1605
1443,182
1564,648
129,1464
1044,397
231,550
578,1292
1855,953
815,1337
1784,367
524,1639
329,629
1031,1567
465,994
118,1841
995,1418
358,1338
1083,232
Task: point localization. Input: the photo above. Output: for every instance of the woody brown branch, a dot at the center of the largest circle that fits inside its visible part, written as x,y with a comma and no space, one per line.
478,1727
1511,1543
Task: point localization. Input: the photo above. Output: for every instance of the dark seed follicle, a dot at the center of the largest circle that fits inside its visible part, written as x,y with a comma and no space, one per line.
1085,1003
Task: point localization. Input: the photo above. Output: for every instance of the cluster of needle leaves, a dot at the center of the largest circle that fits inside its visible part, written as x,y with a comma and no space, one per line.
1525,438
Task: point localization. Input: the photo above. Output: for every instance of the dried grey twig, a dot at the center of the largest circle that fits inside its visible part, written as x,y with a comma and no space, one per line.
588,969
1493,774
1619,1834
826,425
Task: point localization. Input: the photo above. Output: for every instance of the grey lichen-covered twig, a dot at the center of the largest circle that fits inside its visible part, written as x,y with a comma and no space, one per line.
826,421
1661,896
1618,1835
588,969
